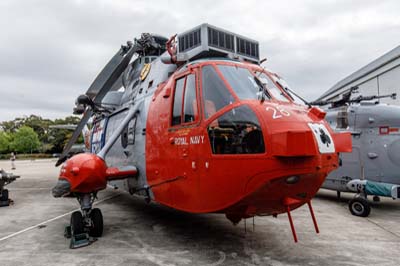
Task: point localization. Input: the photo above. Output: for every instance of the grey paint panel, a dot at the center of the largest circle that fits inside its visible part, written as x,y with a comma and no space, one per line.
375,156
134,153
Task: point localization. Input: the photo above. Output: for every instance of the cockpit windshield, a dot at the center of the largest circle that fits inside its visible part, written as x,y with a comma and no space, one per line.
245,85
276,92
215,94
281,82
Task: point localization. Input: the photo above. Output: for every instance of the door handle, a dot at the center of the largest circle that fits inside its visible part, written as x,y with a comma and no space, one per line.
185,153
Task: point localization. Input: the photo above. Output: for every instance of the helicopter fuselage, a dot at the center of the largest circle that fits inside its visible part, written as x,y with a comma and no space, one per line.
201,127
375,130
202,145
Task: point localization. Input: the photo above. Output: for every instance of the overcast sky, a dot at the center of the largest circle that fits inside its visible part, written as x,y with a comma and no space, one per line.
50,51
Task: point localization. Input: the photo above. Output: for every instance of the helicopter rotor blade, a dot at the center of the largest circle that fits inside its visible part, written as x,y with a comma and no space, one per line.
111,73
110,78
75,136
118,83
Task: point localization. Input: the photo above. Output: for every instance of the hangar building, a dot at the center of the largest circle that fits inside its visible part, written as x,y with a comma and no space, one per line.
380,77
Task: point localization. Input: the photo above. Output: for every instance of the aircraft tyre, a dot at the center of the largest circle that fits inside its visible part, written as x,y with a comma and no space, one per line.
359,206
4,195
97,219
77,223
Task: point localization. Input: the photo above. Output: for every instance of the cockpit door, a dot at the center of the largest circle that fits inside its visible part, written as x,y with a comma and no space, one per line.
183,136
234,139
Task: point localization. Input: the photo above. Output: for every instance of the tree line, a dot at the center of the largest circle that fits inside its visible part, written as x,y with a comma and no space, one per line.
34,134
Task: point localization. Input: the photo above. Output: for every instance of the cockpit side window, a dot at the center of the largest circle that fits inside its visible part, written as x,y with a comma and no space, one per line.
215,94
185,101
190,101
178,95
237,131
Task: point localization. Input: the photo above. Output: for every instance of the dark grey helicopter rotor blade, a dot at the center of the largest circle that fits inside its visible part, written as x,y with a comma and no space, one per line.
75,136
118,83
110,74
108,78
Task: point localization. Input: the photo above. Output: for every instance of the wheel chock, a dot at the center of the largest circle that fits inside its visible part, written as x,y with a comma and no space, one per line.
81,240
5,203
67,231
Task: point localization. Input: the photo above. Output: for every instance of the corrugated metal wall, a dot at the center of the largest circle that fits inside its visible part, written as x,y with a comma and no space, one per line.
382,81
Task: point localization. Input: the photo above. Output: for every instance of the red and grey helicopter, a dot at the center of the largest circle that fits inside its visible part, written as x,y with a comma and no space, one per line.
195,123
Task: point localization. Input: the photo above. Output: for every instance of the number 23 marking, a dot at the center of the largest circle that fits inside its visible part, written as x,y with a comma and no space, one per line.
277,112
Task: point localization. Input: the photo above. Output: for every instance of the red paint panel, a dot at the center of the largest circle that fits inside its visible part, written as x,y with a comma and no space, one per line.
383,130
293,143
317,112
237,184
342,141
85,172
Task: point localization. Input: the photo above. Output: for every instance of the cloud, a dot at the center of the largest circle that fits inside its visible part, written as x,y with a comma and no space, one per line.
52,50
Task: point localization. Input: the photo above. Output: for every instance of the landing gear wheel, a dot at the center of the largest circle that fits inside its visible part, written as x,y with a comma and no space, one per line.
77,226
97,219
359,207
4,195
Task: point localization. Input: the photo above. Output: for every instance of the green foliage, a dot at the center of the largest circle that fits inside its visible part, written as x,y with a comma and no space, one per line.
52,140
69,120
39,125
58,138
10,126
26,140
5,142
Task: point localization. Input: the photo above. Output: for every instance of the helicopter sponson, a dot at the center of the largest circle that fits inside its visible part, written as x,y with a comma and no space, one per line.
203,128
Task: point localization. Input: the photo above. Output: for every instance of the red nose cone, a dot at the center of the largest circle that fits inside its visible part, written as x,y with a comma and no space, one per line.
85,172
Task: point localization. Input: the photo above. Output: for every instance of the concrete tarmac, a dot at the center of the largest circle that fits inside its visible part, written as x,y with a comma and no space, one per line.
136,233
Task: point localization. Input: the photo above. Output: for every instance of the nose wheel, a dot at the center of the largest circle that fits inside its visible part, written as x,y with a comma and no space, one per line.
359,206
76,223
96,230
85,225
